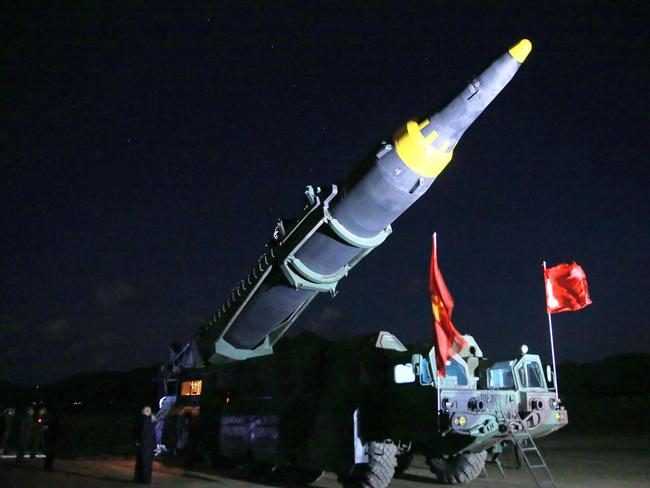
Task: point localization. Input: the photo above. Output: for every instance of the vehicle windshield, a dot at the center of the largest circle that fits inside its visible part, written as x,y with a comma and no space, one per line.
455,375
500,376
530,375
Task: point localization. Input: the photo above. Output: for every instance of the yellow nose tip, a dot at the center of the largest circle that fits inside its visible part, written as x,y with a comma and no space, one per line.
521,50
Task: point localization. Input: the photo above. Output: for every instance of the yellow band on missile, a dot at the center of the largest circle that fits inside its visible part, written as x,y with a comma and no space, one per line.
417,153
521,50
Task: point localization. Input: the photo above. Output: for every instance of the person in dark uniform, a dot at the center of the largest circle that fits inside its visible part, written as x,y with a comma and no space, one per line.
7,426
26,433
3,429
144,437
50,431
38,432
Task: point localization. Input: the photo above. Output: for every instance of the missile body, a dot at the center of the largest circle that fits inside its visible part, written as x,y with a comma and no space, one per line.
343,225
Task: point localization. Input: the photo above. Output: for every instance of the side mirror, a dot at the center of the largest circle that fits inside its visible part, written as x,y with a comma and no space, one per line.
549,374
416,362
421,369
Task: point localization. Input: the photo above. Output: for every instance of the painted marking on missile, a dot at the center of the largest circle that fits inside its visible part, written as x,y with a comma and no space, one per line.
418,154
474,88
416,185
431,137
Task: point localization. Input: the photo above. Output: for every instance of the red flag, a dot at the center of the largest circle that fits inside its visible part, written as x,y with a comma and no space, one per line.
566,288
447,339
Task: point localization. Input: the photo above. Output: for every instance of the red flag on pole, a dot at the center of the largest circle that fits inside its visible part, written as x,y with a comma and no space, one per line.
447,339
566,288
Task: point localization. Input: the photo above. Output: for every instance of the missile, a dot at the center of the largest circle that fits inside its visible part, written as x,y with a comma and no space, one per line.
342,224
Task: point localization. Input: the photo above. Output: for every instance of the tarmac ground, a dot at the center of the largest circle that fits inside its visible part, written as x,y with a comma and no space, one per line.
588,461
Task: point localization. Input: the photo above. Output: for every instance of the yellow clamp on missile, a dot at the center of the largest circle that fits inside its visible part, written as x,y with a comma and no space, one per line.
521,50
416,151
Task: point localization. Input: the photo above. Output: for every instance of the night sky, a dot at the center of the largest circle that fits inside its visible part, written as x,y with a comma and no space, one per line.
147,152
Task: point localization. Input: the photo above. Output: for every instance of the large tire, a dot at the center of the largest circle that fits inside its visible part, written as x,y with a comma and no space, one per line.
459,468
380,469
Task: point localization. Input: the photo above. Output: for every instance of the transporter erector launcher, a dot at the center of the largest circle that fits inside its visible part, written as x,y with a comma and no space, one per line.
340,225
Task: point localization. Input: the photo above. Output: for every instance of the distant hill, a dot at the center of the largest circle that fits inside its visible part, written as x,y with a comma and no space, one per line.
619,375
607,396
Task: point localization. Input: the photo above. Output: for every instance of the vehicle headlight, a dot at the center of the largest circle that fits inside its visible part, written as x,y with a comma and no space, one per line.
475,404
536,404
558,416
460,420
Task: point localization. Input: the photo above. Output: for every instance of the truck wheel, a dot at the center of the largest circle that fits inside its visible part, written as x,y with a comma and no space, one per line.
378,471
459,468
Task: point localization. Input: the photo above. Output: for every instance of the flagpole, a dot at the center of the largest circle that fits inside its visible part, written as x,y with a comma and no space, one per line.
550,331
435,370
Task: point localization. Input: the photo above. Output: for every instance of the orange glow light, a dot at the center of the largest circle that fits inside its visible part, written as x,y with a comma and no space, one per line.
191,388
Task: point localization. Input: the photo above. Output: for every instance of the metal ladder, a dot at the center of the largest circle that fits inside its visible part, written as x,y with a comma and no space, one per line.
526,447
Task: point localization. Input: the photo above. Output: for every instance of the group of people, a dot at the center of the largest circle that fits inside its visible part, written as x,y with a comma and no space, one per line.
36,431
33,432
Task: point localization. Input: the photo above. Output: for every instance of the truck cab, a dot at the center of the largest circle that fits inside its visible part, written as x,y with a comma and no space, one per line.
467,419
537,404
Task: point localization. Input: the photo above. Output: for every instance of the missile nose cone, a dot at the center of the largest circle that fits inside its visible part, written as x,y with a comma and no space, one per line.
427,147
521,50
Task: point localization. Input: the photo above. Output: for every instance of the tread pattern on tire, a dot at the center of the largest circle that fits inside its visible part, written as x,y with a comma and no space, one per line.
380,469
460,468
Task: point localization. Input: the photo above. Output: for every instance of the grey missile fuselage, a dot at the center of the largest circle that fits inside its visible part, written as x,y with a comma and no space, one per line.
342,225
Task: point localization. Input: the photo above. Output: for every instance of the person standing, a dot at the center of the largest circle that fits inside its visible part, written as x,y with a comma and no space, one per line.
50,431
26,432
8,423
38,432
3,428
144,437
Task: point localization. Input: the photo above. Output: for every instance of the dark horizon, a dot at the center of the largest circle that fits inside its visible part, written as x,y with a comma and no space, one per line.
149,152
